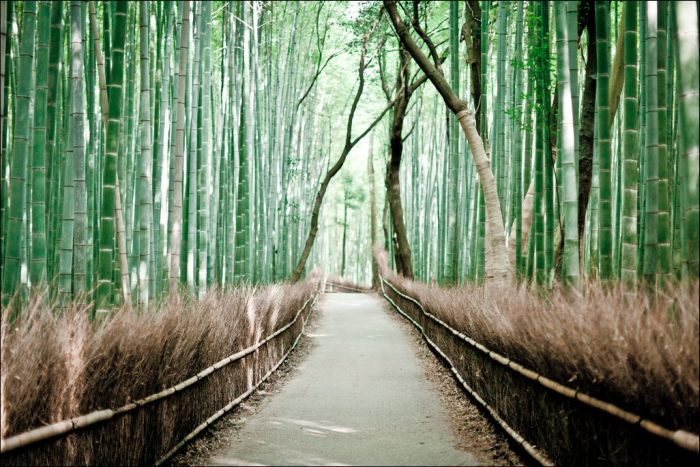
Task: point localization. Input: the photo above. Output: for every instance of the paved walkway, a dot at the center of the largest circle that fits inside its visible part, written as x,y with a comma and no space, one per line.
359,397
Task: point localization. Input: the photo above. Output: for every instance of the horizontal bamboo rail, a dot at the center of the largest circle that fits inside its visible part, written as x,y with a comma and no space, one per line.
82,421
682,438
529,448
221,412
335,284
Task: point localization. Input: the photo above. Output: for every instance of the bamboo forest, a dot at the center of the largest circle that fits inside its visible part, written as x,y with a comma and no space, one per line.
406,232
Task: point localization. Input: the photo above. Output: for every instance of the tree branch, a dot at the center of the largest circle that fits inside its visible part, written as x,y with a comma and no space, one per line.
431,47
453,102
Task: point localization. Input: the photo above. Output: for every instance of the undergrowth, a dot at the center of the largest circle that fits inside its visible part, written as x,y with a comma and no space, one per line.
623,346
61,365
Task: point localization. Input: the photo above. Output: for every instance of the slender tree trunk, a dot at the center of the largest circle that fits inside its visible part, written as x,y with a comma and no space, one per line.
472,36
345,232
372,212
402,253
586,19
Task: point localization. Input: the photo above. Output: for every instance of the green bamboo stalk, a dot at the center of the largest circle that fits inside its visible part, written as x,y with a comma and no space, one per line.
452,257
516,202
67,201
160,237
5,72
175,207
52,156
195,92
664,218
39,253
686,16
641,166
603,146
92,151
498,155
567,156
630,148
203,157
243,220
483,103
144,191
110,192
20,152
80,238
540,154
549,187
651,175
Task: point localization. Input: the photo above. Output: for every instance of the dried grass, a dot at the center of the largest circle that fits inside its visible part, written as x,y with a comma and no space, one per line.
60,366
629,348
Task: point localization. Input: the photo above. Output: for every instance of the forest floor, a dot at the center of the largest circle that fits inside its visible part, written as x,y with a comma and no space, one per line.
362,388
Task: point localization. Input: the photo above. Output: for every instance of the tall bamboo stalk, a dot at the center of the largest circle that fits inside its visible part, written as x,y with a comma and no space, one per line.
630,148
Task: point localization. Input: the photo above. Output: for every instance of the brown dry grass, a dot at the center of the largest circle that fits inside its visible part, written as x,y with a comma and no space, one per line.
621,346
59,366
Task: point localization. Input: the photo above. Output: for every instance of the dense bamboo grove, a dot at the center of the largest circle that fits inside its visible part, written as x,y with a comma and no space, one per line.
156,145
148,145
585,109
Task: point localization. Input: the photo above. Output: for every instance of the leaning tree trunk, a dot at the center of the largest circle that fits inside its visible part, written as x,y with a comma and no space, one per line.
500,268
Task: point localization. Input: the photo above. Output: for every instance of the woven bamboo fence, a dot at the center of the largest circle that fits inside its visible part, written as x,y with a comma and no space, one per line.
107,437
552,423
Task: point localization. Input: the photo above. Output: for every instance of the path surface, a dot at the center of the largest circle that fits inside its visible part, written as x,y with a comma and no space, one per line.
359,397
